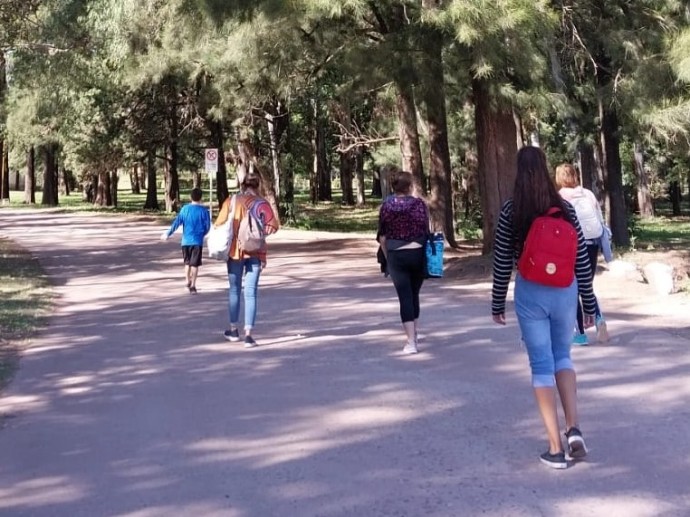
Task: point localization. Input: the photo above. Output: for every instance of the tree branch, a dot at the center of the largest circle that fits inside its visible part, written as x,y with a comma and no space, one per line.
352,138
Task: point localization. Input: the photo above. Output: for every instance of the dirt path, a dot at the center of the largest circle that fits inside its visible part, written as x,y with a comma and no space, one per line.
131,404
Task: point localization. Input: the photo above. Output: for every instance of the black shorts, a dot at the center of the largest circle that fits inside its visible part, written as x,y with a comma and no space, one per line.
192,255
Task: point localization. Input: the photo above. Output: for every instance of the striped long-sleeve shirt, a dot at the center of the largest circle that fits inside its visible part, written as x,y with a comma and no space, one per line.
505,257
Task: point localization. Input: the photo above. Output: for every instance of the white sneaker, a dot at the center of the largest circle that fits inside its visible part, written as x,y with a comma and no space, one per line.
410,348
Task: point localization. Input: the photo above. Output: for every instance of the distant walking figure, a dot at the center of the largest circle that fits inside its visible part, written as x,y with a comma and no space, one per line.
195,220
403,230
592,223
545,314
252,220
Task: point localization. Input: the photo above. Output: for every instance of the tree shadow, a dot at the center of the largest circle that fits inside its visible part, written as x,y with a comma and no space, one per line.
132,403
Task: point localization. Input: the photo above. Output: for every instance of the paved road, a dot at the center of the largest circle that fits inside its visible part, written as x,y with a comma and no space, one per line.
130,403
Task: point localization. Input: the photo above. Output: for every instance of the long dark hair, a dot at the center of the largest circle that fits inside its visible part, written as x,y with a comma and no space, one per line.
252,179
534,192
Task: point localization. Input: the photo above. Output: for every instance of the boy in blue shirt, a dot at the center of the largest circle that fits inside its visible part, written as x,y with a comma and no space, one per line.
195,220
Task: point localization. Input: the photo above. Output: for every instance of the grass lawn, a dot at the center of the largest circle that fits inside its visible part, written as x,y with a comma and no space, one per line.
25,297
126,203
324,216
335,217
662,232
659,232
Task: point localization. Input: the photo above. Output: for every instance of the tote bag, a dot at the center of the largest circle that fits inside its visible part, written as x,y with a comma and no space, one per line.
220,237
434,255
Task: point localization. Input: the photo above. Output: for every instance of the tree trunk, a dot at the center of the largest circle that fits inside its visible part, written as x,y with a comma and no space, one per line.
108,188
376,186
320,188
688,173
611,162
601,193
675,197
102,191
347,166
134,179
588,168
470,182
246,157
86,187
114,180
315,175
4,171
325,187
359,172
519,131
434,99
275,154
404,76
288,181
30,179
56,173
276,121
151,190
143,174
410,149
69,183
644,196
172,180
93,178
347,157
218,142
50,186
269,193
17,180
62,182
496,161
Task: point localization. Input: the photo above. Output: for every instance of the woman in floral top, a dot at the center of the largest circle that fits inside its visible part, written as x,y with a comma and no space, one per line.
403,229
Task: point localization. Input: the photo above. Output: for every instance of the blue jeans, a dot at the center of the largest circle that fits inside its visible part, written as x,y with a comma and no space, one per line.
250,269
546,316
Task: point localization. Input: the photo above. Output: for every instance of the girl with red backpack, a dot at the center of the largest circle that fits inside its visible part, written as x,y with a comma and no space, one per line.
545,310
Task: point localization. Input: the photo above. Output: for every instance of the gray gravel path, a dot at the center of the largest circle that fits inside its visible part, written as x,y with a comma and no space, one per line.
130,403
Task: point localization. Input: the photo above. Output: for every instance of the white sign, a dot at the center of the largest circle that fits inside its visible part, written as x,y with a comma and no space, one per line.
211,160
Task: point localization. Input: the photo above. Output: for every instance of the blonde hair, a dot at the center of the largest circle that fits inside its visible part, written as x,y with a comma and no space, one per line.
567,176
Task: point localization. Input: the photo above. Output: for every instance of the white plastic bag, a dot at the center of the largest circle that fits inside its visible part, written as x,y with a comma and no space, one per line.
218,242
220,237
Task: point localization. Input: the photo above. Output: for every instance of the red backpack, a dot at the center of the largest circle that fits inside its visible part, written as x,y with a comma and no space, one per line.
550,250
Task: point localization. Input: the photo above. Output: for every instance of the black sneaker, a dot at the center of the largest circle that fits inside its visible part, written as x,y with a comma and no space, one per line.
232,335
192,289
555,461
249,342
576,444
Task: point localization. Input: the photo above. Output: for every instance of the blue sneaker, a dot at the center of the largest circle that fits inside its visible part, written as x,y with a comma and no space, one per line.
580,340
602,330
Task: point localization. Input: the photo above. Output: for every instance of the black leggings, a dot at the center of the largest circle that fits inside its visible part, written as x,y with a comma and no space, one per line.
407,268
593,252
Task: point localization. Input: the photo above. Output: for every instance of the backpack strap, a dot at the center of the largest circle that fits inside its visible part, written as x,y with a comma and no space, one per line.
231,219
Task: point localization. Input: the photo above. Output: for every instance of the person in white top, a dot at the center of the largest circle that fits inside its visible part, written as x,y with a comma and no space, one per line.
592,222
